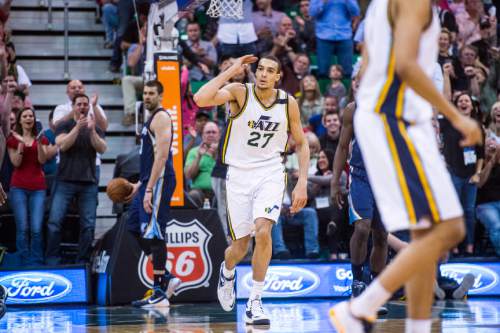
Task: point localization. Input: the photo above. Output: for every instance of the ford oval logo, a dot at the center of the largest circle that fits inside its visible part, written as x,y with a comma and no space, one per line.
286,281
485,278
35,287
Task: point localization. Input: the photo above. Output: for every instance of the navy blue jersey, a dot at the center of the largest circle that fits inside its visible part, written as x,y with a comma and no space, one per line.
148,150
356,157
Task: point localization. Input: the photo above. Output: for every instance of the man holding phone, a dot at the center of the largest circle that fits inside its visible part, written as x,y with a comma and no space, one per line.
200,162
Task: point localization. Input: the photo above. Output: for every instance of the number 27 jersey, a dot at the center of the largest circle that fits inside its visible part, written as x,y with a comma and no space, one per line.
257,136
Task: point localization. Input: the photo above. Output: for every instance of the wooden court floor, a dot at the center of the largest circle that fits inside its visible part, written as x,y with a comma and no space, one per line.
475,315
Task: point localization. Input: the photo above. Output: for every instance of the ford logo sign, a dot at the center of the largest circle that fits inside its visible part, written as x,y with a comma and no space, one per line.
286,281
484,278
35,287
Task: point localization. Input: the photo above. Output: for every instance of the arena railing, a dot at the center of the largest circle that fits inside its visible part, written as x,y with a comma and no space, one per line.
49,8
66,39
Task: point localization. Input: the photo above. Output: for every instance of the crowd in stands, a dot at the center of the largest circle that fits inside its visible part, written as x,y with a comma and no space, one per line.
319,60
47,172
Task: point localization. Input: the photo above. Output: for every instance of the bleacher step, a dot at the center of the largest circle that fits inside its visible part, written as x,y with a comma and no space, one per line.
117,146
44,95
53,46
22,21
53,70
56,4
114,122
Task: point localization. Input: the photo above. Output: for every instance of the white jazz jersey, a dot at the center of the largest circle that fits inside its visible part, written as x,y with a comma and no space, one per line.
253,145
378,41
393,127
257,136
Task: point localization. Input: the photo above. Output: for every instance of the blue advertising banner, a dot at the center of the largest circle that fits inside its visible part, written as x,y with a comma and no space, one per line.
47,286
486,276
335,279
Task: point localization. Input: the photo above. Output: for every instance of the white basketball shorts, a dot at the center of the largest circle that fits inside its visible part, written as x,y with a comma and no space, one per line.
253,193
407,174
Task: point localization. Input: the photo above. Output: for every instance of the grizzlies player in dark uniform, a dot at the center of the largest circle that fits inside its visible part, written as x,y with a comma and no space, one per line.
150,208
363,213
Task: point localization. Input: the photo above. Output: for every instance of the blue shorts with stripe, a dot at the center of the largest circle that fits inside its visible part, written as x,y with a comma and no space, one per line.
362,205
152,225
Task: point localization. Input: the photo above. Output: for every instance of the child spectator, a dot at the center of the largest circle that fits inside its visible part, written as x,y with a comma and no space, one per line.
336,87
310,100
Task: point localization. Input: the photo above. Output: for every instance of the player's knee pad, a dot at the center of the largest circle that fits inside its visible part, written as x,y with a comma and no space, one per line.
159,253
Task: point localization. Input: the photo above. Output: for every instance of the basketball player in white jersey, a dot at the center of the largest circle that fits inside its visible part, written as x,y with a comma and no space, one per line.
412,187
253,146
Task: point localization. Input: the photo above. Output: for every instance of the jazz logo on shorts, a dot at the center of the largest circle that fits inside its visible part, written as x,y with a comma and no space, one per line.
187,256
268,210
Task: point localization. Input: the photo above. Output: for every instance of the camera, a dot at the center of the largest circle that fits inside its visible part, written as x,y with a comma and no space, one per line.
484,24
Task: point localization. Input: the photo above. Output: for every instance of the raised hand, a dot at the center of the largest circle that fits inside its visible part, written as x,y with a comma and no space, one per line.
336,195
203,149
82,122
91,122
192,131
470,131
94,99
240,64
135,189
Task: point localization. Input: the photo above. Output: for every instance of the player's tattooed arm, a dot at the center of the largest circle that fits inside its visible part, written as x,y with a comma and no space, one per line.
215,93
299,194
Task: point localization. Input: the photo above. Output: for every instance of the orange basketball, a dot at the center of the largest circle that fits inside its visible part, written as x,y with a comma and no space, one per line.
118,189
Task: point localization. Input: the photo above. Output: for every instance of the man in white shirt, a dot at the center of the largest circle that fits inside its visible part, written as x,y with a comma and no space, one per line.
265,19
64,112
237,37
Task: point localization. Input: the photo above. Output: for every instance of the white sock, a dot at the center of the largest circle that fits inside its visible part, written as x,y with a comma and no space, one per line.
418,325
257,287
228,273
368,303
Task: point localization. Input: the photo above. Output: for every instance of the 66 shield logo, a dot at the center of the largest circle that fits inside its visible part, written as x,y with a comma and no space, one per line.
187,256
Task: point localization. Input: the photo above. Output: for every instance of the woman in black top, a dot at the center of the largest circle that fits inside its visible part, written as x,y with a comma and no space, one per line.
488,199
319,192
465,165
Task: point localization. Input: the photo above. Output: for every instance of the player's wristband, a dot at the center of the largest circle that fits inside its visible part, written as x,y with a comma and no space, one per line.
149,190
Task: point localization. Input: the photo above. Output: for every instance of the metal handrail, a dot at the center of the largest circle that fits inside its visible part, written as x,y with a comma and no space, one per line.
49,23
66,39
